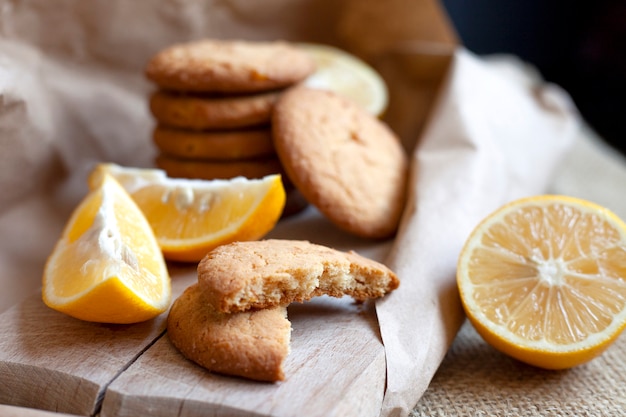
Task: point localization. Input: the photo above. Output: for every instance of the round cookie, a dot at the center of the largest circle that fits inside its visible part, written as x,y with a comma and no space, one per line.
229,66
345,161
219,145
208,170
249,344
211,112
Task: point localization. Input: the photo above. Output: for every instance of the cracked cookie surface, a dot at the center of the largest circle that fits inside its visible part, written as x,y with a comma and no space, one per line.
345,161
213,65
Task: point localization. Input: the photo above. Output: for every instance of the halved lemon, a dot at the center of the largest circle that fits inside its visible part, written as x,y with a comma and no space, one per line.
347,75
543,279
191,216
107,266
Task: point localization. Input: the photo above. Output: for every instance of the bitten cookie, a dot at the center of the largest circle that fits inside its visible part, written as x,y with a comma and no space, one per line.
212,113
345,161
267,273
251,344
229,66
222,145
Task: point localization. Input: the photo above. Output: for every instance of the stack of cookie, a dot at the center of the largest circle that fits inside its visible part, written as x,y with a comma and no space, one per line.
214,104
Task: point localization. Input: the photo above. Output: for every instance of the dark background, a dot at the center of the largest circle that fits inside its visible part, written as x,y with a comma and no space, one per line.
579,45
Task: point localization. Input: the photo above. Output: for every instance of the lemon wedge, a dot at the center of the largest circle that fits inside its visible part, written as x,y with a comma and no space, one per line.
107,266
192,216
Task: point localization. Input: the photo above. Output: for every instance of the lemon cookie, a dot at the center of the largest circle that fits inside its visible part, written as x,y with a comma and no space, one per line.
213,169
212,112
344,160
229,66
251,344
259,274
219,145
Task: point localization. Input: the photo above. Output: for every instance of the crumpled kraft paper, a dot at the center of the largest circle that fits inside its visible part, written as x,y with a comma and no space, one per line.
72,94
491,138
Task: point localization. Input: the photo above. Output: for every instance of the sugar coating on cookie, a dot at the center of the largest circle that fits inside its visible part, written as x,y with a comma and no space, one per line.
267,273
211,113
250,344
229,66
345,161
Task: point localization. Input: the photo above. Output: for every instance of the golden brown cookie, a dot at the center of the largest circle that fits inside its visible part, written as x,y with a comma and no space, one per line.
219,145
212,112
229,66
209,169
267,273
345,161
251,344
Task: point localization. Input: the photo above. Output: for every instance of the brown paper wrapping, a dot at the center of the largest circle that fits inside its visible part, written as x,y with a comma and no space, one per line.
491,139
73,93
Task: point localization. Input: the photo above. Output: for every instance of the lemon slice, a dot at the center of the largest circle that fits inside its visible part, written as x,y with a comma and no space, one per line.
542,279
191,216
107,266
347,75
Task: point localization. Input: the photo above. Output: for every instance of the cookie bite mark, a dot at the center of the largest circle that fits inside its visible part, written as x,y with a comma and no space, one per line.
252,344
268,273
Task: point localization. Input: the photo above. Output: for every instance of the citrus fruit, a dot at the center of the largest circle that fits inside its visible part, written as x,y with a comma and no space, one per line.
107,266
542,279
347,75
191,216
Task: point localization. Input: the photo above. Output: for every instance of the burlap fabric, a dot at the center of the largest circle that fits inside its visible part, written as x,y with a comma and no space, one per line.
476,380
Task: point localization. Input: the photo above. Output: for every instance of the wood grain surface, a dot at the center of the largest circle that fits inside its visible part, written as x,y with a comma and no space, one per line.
336,368
13,411
54,362
50,361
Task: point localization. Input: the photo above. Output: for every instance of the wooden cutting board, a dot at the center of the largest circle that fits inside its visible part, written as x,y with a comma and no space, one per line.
53,362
